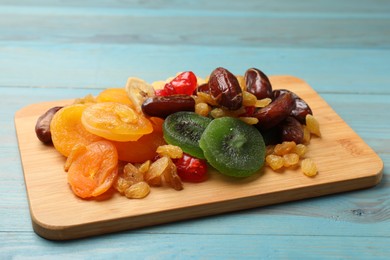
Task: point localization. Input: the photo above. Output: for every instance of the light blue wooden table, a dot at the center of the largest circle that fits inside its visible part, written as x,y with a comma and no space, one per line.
52,50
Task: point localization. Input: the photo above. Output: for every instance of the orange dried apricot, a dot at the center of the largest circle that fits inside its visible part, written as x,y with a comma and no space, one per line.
93,169
115,121
144,148
118,95
67,130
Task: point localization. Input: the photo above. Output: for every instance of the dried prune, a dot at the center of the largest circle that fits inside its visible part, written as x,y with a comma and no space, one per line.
225,89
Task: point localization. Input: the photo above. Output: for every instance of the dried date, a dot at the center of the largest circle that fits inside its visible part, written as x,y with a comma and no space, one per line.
258,84
225,89
163,106
42,127
301,108
275,112
291,130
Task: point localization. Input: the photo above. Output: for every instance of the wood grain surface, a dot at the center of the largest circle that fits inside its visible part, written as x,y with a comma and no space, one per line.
344,160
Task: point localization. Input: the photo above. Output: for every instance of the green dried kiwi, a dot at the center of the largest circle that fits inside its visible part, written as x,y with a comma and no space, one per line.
184,129
233,147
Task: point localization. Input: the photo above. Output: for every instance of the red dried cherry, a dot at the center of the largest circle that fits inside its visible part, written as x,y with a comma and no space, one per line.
184,83
191,169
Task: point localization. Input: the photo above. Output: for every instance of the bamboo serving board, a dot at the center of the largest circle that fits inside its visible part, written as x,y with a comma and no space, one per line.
345,162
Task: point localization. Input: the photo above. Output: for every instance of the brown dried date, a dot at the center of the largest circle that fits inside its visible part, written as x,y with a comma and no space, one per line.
291,130
42,127
258,84
275,112
225,89
205,88
301,108
163,106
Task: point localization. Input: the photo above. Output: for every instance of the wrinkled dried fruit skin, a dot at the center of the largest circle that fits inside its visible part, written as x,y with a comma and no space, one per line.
275,112
291,130
163,106
205,88
301,107
42,127
258,84
225,89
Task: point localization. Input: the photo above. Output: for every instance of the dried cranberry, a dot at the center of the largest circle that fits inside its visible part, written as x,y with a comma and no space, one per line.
191,169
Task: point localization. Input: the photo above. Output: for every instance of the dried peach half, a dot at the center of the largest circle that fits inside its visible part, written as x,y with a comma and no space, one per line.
115,121
67,130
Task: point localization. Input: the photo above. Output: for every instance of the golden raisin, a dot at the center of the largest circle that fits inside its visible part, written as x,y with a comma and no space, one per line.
312,125
284,148
248,99
138,190
308,167
300,149
172,151
290,159
274,161
249,120
202,109
263,102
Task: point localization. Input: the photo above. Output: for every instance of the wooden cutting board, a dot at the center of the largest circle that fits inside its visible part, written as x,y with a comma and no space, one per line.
344,160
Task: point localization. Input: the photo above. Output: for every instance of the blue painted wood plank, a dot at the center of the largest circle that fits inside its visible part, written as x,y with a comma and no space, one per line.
101,66
196,30
188,246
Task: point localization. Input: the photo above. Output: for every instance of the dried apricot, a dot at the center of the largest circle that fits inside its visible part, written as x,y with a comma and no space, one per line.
67,130
115,121
144,148
93,169
118,95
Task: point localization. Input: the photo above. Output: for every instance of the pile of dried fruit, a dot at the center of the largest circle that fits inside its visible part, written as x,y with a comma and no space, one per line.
167,132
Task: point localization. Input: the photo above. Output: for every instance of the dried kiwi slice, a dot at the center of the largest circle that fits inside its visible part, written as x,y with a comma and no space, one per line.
233,147
184,129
